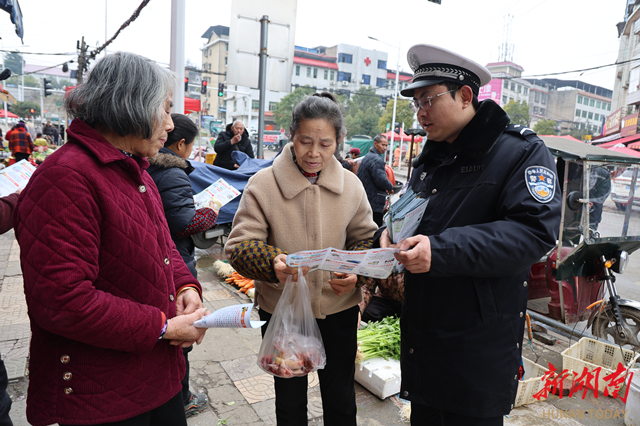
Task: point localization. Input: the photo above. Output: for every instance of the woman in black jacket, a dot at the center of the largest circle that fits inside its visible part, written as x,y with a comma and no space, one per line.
170,171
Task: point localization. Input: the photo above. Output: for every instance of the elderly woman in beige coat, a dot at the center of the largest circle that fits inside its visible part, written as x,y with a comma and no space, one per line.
308,201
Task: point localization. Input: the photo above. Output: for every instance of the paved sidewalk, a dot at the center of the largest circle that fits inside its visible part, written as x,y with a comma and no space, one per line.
224,366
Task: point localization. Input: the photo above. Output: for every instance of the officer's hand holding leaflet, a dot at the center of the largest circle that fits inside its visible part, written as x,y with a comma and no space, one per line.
415,254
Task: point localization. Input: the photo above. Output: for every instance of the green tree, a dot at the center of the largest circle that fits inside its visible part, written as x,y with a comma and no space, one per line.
545,127
13,61
404,114
518,111
363,123
284,109
23,109
363,111
29,81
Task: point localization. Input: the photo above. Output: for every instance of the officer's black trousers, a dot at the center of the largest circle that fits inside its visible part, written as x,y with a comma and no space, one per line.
422,415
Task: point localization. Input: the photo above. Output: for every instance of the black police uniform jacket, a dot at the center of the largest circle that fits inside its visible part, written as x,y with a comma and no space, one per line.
224,148
463,321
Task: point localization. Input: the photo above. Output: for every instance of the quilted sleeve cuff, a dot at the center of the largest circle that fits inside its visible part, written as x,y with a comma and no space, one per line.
254,259
359,246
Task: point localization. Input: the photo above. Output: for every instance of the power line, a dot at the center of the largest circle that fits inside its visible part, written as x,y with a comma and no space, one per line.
583,70
122,27
36,53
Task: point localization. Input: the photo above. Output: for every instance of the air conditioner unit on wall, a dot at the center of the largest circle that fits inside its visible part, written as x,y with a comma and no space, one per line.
345,83
332,83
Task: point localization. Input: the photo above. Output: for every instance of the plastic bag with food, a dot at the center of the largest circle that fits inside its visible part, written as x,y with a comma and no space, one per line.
292,345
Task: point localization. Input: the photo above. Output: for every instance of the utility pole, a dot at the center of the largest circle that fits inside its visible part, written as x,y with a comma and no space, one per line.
82,61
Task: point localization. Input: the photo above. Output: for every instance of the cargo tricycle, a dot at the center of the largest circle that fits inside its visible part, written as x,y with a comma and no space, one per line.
576,280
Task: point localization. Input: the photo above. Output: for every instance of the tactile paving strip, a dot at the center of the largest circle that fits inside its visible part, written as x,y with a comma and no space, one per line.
214,295
256,389
242,368
260,388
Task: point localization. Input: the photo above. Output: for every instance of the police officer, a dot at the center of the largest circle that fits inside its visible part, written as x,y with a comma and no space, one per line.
494,209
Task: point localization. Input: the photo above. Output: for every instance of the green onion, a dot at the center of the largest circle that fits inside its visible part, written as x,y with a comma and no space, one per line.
379,339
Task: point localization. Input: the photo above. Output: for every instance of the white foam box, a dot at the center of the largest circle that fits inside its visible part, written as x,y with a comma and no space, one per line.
381,377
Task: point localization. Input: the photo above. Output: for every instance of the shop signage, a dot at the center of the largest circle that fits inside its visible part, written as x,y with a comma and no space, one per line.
612,124
629,125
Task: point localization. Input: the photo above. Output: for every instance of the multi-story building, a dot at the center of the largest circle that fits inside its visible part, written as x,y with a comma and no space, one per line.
214,70
357,67
345,69
575,105
313,69
513,86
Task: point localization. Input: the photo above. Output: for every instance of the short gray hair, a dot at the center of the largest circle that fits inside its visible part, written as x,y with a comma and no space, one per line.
319,105
125,93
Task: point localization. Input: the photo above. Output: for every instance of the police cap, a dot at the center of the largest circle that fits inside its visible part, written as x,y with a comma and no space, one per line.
435,65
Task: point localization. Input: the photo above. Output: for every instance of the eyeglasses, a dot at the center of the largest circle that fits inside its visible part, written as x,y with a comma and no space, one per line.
425,102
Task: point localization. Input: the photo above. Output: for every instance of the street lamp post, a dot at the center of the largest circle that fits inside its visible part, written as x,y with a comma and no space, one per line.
395,97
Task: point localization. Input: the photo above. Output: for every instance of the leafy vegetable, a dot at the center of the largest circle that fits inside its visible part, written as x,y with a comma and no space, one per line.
379,339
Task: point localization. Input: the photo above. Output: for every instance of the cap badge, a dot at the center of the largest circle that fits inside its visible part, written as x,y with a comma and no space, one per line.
413,61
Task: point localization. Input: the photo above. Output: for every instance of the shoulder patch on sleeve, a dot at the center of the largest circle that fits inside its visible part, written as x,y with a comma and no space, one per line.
541,183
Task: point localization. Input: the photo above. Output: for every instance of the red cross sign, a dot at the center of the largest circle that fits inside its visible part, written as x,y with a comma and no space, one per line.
367,61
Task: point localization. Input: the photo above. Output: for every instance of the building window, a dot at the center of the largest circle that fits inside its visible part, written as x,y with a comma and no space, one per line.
541,111
235,105
608,107
519,89
298,70
308,71
584,114
504,99
380,82
590,116
526,91
579,99
537,97
345,57
332,75
315,73
577,113
344,76
596,117
225,62
598,104
366,79
592,102
544,98
382,65
506,84
272,106
326,74
255,104
535,109
513,87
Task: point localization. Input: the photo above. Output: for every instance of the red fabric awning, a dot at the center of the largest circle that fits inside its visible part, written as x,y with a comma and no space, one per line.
191,105
403,135
9,114
623,141
624,150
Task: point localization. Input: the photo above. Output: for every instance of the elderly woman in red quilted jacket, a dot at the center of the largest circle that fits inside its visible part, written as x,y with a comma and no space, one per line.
110,299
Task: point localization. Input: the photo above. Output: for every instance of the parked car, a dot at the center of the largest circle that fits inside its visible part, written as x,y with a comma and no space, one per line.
621,189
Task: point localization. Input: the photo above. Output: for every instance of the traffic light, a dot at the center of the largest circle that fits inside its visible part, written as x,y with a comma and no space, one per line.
186,84
220,89
33,111
203,88
397,128
47,87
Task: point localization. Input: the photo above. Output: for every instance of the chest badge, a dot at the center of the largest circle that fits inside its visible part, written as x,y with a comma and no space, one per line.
423,175
541,183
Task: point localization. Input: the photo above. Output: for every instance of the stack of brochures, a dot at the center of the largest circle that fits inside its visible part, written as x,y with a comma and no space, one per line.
404,216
